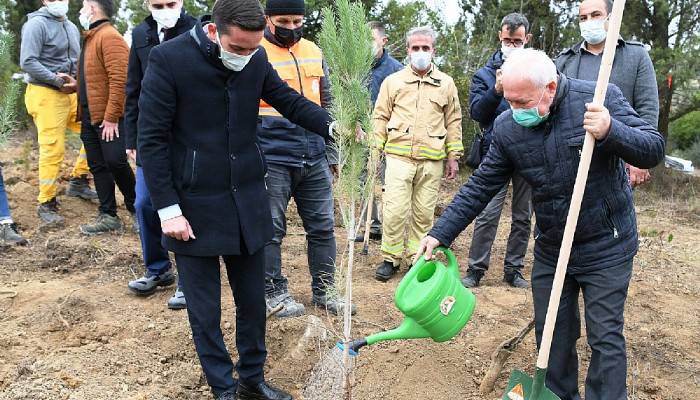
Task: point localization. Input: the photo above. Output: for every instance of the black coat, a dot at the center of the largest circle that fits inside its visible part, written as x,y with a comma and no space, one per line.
143,38
547,157
198,142
485,105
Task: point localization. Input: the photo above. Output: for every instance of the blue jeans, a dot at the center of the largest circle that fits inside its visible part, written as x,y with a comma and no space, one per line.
4,204
154,254
312,189
604,294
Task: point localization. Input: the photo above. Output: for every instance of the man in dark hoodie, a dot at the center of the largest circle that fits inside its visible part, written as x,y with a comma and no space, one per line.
486,102
49,56
167,20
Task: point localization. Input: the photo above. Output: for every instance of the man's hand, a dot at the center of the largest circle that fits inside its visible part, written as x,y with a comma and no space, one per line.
335,170
425,248
359,133
597,121
638,176
177,228
110,130
131,154
452,169
70,85
498,87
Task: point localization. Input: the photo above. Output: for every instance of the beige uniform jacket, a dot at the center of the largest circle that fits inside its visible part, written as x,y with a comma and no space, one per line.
418,117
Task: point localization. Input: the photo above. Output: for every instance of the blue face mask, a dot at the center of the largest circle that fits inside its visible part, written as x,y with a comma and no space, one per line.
529,117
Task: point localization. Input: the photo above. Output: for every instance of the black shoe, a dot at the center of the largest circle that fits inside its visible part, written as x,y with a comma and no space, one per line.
80,187
516,280
472,279
385,271
48,213
261,391
377,236
226,396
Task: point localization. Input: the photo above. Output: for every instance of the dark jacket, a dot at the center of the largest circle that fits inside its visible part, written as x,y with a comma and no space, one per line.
633,72
143,38
547,157
484,103
383,67
286,143
198,143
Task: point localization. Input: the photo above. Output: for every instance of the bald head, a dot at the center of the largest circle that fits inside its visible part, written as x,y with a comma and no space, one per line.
529,80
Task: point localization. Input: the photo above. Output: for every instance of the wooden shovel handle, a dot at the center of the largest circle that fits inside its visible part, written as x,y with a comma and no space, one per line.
579,186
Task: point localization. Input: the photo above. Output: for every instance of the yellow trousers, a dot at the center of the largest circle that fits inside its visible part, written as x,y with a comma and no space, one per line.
410,194
53,112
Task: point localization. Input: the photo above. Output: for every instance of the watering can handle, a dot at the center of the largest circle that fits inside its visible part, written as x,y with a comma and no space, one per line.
452,265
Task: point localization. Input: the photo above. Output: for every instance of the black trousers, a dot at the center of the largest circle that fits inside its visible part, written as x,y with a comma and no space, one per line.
108,164
604,294
201,284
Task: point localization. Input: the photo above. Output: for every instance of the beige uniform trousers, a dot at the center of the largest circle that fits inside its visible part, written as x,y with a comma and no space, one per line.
410,194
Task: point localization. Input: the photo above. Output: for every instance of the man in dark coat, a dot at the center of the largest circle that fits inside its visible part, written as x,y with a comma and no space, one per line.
167,20
486,103
205,172
632,70
541,138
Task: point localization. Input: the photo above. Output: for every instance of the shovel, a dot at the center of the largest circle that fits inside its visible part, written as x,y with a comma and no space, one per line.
521,386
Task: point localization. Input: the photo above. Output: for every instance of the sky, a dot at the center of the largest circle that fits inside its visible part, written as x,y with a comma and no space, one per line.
448,8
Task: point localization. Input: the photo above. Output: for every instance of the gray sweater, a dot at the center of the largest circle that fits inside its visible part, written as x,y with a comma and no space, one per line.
49,46
632,72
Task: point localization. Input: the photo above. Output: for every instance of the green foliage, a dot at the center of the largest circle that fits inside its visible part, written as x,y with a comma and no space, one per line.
346,42
693,153
10,90
685,131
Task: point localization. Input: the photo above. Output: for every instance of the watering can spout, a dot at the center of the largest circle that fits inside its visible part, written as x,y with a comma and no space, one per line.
409,329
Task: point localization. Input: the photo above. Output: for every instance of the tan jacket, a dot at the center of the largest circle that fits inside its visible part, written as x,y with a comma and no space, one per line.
419,118
106,60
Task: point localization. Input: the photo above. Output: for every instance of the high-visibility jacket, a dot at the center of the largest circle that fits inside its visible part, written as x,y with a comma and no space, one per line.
419,117
301,66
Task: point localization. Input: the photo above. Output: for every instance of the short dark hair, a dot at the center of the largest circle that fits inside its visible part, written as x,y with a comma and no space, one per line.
377,26
107,7
514,21
245,14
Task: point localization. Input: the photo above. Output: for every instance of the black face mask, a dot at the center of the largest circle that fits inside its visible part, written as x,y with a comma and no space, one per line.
288,37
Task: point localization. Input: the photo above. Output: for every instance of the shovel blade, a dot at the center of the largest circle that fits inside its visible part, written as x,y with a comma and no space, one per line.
522,387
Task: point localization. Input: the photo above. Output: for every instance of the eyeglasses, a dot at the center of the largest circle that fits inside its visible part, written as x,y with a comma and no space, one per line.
513,42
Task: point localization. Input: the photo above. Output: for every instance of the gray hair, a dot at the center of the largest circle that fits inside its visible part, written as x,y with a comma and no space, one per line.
531,64
514,21
420,31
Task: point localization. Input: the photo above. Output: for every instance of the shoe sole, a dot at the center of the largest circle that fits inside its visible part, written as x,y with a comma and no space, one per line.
80,196
149,292
120,230
383,278
177,307
324,308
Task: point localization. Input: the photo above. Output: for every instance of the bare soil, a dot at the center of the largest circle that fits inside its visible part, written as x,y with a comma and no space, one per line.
69,329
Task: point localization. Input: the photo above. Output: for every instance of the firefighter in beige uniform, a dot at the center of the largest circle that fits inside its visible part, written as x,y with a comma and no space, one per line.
418,124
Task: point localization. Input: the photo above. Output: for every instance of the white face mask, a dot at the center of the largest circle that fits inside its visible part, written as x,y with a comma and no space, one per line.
593,31
85,20
167,17
420,60
233,61
58,9
507,50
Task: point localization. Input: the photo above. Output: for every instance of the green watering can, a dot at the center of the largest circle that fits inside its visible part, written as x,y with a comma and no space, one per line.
432,298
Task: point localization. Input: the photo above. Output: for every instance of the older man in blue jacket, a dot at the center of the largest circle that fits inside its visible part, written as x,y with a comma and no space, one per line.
541,138
205,172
